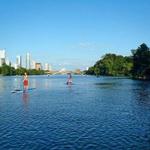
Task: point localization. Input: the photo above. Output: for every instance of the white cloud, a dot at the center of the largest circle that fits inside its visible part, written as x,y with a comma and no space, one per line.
85,45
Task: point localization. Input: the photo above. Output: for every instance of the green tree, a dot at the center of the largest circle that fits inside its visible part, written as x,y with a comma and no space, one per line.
90,71
7,70
112,65
141,62
20,71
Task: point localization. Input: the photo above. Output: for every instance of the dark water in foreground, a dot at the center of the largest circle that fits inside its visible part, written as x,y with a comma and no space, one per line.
94,113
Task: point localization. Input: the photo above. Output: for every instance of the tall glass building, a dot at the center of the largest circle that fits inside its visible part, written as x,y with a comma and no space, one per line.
19,61
2,57
28,61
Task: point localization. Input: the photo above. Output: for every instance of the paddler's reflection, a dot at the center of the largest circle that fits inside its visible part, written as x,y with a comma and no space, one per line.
25,98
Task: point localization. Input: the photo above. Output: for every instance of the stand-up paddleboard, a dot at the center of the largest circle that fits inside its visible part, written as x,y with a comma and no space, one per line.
17,91
22,91
69,83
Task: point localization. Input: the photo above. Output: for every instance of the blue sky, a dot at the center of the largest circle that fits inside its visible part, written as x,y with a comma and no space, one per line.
73,33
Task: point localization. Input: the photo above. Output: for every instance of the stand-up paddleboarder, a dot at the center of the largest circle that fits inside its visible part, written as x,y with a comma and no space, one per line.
69,81
25,82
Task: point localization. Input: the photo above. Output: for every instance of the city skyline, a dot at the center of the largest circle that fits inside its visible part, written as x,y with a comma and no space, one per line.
28,62
73,34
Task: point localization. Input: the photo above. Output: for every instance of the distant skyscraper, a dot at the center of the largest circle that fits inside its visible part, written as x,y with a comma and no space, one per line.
8,62
15,66
2,57
46,68
38,66
19,61
33,64
50,67
28,61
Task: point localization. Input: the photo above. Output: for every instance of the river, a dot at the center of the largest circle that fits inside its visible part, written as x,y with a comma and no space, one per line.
92,114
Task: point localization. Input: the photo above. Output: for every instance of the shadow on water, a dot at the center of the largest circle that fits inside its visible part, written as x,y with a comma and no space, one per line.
142,91
107,84
141,106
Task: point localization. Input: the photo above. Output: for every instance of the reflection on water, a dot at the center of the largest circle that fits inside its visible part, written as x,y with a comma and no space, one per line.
17,82
141,91
47,83
25,98
2,85
92,114
32,82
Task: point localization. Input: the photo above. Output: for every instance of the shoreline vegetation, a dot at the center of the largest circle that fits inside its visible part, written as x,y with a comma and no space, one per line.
7,70
136,66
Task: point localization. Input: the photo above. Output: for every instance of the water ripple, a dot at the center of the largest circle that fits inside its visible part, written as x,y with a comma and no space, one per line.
93,114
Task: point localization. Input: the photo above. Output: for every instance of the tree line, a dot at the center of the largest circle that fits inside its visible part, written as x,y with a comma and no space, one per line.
7,70
136,66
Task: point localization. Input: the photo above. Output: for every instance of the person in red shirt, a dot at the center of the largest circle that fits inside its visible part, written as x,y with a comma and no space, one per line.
25,81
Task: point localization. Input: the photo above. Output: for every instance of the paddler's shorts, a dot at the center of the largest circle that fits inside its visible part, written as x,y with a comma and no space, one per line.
25,83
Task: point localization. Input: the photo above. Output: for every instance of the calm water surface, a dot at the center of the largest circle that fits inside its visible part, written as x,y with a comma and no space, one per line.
93,114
